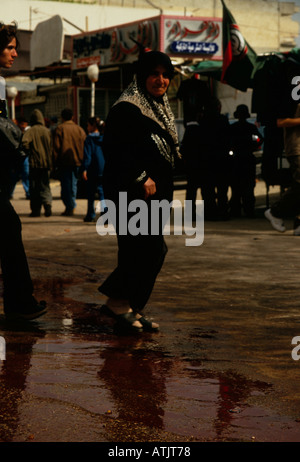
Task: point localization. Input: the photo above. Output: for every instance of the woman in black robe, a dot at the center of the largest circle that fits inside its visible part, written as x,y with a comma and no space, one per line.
140,145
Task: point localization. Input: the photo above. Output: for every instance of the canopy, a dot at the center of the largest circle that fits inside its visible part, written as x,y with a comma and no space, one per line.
271,79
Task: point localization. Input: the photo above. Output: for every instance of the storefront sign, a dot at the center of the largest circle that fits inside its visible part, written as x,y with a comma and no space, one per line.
197,36
174,35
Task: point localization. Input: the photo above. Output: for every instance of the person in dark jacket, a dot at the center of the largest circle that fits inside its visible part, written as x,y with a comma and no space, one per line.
205,150
140,145
18,299
38,142
93,166
22,172
245,139
68,155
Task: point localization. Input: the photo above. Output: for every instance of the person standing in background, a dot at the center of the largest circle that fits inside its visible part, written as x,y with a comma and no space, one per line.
289,203
245,138
68,156
38,142
93,166
22,172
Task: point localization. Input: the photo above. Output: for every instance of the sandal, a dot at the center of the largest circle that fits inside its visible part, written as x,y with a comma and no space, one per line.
124,322
147,325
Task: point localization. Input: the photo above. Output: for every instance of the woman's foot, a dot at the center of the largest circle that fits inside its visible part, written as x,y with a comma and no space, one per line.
122,312
148,326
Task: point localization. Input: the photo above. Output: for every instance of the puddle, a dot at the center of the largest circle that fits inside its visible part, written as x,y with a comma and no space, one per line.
70,367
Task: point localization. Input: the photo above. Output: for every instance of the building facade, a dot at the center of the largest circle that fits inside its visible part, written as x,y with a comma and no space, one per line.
267,25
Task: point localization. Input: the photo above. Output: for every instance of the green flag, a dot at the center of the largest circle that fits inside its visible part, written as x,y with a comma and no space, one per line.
238,57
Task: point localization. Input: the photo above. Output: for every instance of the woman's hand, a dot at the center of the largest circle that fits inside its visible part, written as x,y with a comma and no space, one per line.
84,175
149,188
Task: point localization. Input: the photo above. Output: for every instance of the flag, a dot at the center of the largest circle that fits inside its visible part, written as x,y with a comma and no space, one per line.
238,57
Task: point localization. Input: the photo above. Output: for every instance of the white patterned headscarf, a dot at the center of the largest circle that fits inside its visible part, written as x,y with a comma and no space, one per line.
158,110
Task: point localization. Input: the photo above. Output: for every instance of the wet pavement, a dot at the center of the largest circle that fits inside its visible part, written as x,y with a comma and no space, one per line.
220,368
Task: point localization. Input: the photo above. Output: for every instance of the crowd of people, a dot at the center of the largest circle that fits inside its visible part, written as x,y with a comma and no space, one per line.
223,167
219,157
64,151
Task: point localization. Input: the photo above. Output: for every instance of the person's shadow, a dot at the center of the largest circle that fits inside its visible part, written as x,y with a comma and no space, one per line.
16,346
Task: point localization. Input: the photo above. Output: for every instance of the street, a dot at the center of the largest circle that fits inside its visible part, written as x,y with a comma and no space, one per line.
221,368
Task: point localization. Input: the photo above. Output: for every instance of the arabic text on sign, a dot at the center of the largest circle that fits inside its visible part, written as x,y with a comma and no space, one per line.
194,47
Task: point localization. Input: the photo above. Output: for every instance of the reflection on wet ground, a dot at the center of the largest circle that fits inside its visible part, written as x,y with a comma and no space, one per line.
68,377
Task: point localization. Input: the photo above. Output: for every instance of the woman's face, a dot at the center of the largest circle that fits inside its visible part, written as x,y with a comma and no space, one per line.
157,82
9,54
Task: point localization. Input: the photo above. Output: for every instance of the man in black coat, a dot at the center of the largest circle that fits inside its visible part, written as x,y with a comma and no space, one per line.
18,298
245,139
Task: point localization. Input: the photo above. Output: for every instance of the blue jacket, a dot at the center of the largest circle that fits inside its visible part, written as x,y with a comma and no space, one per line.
93,159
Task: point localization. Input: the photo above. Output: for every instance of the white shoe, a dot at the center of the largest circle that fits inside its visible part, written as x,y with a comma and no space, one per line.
297,226
297,231
277,223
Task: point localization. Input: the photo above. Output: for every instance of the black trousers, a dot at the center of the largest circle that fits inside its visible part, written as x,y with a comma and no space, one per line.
289,203
242,187
17,283
214,189
40,193
140,258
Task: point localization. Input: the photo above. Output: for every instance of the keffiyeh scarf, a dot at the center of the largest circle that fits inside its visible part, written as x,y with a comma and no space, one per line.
160,112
